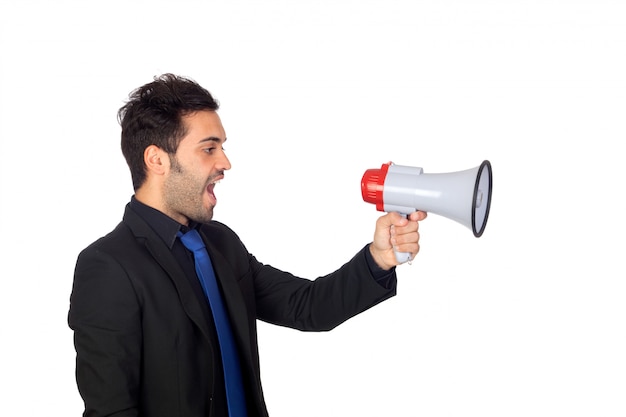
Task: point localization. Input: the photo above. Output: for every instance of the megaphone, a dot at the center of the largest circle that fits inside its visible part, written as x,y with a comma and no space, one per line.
462,196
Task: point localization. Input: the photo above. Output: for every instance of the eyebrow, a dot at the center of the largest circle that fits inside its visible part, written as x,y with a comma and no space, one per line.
212,139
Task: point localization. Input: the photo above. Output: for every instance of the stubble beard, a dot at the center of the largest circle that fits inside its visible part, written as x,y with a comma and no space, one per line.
184,194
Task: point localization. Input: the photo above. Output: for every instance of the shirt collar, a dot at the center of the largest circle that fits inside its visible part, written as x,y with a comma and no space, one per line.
164,226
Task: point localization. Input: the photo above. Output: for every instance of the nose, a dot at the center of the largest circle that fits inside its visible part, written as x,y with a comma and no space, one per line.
225,162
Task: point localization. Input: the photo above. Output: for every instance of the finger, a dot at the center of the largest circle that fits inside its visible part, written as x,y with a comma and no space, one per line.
417,216
412,248
408,227
405,237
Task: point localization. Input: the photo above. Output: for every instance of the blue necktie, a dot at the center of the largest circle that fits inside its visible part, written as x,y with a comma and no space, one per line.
230,359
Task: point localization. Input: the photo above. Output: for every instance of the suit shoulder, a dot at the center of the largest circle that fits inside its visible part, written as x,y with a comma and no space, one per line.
113,241
216,228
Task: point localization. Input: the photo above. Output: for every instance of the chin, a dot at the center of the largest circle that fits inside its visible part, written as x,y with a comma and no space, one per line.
207,216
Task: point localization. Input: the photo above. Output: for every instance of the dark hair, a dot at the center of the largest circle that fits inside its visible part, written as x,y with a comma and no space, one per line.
153,116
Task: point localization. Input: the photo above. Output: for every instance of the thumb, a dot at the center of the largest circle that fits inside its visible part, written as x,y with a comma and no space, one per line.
394,219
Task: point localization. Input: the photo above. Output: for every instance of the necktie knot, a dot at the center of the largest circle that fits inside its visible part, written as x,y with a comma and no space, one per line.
192,240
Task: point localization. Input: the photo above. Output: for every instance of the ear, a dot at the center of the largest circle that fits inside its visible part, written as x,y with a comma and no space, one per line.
156,159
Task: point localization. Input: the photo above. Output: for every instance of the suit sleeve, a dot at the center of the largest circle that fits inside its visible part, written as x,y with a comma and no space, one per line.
320,304
105,316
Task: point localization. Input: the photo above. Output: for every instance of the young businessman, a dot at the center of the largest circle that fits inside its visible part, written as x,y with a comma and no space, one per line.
144,330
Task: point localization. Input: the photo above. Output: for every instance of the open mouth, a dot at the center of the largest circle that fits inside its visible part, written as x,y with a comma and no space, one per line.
211,190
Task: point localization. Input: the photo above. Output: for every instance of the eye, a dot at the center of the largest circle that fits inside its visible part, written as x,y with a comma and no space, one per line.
212,149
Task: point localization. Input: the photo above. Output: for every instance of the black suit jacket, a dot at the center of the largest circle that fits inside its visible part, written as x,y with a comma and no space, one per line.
141,335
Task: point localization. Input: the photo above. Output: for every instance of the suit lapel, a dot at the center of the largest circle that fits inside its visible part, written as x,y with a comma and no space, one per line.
163,256
233,298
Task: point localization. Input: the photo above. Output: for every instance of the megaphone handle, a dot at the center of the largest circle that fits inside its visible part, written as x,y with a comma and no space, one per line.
403,257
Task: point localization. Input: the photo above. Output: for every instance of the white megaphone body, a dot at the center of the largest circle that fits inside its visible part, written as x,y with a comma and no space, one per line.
463,196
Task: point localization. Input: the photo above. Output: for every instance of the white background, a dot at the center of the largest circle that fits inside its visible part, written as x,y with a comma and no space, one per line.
528,320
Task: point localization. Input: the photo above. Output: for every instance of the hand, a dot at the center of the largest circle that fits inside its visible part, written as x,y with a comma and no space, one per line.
395,232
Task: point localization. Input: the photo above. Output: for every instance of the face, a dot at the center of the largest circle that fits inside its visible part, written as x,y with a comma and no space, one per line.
199,162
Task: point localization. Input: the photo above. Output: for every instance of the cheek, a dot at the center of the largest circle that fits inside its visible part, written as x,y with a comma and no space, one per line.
207,166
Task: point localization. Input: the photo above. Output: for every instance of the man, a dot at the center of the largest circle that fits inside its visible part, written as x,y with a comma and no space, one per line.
144,330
